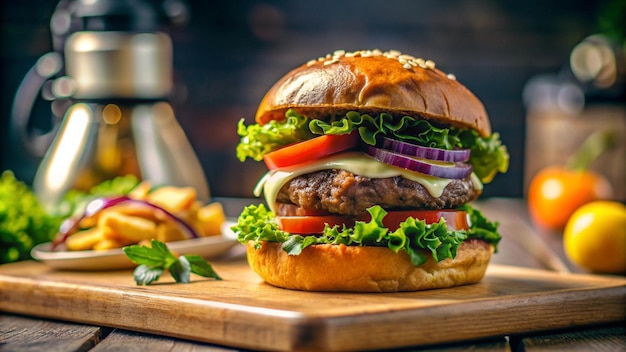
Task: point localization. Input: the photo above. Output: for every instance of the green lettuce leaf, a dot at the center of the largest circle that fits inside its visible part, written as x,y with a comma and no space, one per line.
256,223
488,155
256,140
481,227
24,223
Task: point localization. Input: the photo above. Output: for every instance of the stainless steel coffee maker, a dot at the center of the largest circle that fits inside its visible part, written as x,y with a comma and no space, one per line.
117,75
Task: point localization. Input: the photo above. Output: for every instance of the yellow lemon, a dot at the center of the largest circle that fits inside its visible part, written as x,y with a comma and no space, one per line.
595,237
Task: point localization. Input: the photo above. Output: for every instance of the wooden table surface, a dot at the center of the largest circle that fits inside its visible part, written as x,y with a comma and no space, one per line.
522,245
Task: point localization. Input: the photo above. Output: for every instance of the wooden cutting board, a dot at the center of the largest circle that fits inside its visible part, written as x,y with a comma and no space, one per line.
242,311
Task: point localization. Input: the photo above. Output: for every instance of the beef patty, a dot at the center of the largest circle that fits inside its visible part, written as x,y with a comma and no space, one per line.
341,192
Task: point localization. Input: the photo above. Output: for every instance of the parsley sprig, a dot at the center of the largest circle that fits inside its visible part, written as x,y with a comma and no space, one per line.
157,258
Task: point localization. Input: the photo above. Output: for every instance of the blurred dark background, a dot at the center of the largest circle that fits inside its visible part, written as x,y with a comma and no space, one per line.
230,52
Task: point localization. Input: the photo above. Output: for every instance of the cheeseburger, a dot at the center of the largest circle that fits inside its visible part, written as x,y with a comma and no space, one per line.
372,157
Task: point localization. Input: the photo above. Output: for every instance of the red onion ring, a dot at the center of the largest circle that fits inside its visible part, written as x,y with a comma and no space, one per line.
459,171
419,151
70,226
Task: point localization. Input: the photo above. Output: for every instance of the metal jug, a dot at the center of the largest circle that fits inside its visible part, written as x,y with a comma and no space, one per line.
118,77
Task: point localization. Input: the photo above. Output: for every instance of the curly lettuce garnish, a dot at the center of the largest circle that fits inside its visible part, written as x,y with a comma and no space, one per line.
24,223
415,237
480,227
257,140
488,156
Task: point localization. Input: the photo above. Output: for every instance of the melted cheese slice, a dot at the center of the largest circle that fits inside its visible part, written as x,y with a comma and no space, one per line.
357,163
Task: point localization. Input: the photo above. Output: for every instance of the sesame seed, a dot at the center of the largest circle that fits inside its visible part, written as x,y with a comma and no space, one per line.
330,62
452,76
311,62
339,53
430,64
395,53
407,66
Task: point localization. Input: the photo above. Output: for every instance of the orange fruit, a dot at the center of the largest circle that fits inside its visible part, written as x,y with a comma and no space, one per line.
556,192
595,237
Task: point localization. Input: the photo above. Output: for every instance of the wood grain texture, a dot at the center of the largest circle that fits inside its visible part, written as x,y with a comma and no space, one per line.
242,311
129,341
600,339
26,334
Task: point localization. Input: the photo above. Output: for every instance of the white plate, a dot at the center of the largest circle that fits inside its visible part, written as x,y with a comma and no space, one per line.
115,259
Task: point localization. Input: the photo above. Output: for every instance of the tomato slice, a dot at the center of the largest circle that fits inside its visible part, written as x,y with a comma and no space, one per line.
455,219
311,224
311,149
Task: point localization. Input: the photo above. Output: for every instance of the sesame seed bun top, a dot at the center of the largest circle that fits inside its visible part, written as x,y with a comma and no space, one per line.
374,82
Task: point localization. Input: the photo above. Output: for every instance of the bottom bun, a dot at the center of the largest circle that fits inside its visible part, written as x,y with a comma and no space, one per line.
328,267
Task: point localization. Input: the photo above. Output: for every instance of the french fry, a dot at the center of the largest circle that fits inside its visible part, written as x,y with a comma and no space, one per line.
168,232
84,240
126,229
141,190
88,222
135,211
107,243
173,199
132,222
210,219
